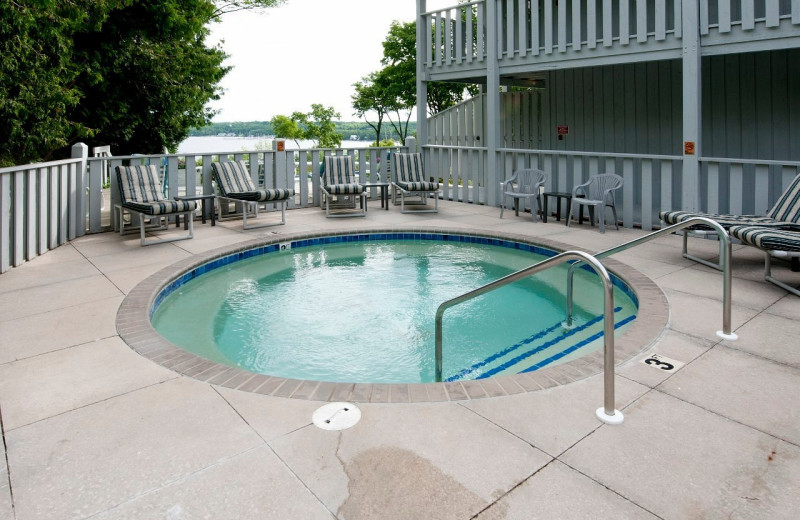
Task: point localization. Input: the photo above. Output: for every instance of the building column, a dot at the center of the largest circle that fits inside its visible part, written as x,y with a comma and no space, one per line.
492,104
692,107
423,41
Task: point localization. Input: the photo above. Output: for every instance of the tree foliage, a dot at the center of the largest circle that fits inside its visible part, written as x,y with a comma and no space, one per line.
370,96
133,74
317,125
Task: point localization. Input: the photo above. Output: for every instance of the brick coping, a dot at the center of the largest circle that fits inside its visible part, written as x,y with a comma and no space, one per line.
134,327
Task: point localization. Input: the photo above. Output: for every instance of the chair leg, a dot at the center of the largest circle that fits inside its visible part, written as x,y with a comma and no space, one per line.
768,276
614,212
602,218
502,205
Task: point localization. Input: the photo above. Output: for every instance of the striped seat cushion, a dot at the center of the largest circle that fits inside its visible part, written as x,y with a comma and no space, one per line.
410,173
234,182
162,207
726,221
787,208
339,177
767,238
140,190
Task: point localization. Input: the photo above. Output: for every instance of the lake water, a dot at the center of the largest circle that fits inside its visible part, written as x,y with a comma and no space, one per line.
213,144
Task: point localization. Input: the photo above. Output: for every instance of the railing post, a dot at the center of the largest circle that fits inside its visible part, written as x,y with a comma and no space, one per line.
80,151
692,95
423,42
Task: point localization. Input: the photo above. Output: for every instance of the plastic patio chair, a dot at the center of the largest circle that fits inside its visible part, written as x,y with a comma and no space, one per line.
340,188
524,184
598,191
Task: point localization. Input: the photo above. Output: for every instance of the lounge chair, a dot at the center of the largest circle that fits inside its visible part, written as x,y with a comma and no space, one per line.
785,213
524,184
340,188
780,243
409,180
598,193
140,194
235,185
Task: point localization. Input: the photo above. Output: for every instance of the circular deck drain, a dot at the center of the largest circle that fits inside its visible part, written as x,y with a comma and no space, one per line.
336,416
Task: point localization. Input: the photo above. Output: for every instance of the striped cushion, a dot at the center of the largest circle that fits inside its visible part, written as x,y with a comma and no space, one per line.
410,173
726,221
139,183
767,238
234,182
787,209
339,177
162,207
232,177
345,189
419,186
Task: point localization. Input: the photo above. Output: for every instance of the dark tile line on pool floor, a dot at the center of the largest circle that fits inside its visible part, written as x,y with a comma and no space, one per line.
134,327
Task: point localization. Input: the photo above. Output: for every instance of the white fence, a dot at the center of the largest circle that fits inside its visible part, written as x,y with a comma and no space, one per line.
42,206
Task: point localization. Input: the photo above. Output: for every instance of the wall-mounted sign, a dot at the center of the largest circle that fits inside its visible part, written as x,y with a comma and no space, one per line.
280,145
688,148
562,129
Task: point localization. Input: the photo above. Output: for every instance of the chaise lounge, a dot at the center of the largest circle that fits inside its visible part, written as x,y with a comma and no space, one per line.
140,193
785,213
235,185
775,242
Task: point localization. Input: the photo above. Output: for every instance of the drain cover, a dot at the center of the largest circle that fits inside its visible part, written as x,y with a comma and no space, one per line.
336,416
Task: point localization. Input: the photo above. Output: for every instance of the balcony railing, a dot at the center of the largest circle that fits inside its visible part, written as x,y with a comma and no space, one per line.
531,32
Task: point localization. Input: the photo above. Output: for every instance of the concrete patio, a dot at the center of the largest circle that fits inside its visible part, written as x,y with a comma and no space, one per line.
93,430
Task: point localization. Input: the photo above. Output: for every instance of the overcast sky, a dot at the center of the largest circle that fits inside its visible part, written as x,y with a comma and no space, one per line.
303,52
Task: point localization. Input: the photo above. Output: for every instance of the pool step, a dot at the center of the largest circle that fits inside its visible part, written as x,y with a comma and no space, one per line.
540,349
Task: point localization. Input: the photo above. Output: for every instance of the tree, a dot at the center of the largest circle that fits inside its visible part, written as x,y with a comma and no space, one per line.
37,78
133,74
371,97
400,64
287,128
231,6
316,125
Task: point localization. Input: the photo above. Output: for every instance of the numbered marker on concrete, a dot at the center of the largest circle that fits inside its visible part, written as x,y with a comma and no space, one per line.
662,363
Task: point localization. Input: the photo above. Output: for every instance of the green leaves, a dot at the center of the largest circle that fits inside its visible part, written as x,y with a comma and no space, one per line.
316,125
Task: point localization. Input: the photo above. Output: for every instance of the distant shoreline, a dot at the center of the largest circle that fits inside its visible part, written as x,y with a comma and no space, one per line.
213,144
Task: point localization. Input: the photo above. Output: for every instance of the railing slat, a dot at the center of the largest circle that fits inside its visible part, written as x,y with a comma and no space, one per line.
576,25
6,219
448,37
647,195
548,27
627,192
42,202
678,18
661,20
522,24
470,50
713,187
735,189
73,201
748,15
591,25
666,185
724,14
481,31
18,221
438,41
96,176
608,23
641,21
704,17
773,13
535,27
459,57
509,32
624,22
762,189
53,203
796,12
562,27
429,21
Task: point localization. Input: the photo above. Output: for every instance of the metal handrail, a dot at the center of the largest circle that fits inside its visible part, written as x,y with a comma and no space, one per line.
607,413
725,259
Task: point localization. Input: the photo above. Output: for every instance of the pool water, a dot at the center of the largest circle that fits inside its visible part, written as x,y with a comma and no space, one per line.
364,312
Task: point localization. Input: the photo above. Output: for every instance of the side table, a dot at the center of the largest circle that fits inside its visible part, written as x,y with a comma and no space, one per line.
202,199
558,195
384,192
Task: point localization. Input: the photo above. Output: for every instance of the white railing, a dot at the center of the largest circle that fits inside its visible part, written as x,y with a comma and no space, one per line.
41,207
183,174
743,186
530,31
651,182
